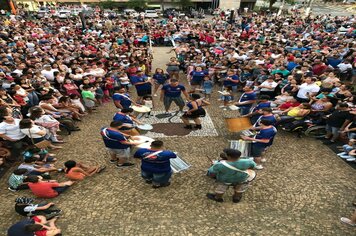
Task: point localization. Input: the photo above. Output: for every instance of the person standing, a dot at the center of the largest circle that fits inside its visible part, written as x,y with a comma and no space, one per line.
117,144
172,93
231,170
195,111
261,141
142,84
247,99
307,89
122,99
155,165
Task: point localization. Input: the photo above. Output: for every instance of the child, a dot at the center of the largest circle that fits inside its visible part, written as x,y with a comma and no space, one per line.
148,102
227,96
74,98
207,87
99,94
40,156
17,180
88,98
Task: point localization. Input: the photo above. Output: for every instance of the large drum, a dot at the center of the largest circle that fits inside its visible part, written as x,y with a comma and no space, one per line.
141,109
143,129
238,124
145,141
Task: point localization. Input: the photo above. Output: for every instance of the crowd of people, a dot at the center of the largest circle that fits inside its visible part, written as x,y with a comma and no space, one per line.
278,71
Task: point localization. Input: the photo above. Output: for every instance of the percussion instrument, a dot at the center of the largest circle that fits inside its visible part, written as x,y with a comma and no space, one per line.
243,146
178,164
144,140
247,132
233,108
143,129
252,175
238,124
141,109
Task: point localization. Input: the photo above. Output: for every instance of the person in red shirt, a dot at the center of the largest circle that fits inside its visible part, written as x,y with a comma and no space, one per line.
46,189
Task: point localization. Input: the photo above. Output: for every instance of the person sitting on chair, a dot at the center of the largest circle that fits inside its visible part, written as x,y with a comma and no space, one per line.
231,170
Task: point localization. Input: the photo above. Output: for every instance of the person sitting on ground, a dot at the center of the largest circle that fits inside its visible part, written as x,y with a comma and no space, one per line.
37,169
27,207
231,170
17,180
155,165
47,189
36,225
78,171
195,111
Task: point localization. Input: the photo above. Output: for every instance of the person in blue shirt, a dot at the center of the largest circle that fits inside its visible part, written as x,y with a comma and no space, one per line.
118,144
142,84
208,86
264,114
172,93
262,140
128,121
121,98
263,102
197,77
231,80
247,99
155,164
159,78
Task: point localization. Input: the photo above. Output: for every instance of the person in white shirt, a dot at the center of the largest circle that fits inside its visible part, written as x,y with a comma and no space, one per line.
48,72
307,90
344,66
11,133
268,87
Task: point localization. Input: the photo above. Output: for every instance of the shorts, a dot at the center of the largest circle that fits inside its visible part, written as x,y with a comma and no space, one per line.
333,130
142,93
120,152
195,83
177,100
256,151
89,103
208,91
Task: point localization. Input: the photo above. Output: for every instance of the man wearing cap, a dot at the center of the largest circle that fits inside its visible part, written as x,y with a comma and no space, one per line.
230,171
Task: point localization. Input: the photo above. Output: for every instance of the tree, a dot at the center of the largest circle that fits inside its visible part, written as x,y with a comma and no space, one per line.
141,4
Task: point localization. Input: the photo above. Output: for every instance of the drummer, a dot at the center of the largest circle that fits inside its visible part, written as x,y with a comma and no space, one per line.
122,99
226,175
195,111
128,121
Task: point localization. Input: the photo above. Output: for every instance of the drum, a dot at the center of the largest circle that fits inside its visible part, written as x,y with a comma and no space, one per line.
141,109
146,141
143,129
238,124
243,146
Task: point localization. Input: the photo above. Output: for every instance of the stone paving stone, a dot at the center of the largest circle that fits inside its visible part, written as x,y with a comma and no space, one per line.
303,190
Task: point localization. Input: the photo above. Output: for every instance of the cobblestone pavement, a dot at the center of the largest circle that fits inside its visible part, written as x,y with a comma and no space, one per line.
303,190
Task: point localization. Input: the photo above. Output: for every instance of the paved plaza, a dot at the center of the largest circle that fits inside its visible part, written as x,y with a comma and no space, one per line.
304,189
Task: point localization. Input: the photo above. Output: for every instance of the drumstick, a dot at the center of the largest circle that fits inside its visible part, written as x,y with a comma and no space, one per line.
209,159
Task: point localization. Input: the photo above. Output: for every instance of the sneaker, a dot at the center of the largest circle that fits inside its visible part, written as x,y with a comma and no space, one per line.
351,159
127,164
211,196
263,160
345,156
12,189
259,167
60,170
347,221
236,199
342,153
161,185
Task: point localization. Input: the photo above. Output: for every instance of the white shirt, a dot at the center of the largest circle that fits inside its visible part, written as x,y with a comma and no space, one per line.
49,74
269,84
307,88
343,67
12,130
34,130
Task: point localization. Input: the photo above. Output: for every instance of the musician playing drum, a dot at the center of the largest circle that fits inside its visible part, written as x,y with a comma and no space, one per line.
128,121
231,171
195,111
156,166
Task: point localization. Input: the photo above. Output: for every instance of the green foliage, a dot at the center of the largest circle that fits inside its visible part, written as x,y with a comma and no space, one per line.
137,4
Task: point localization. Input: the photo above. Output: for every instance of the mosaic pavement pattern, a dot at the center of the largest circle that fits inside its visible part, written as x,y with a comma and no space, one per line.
172,126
